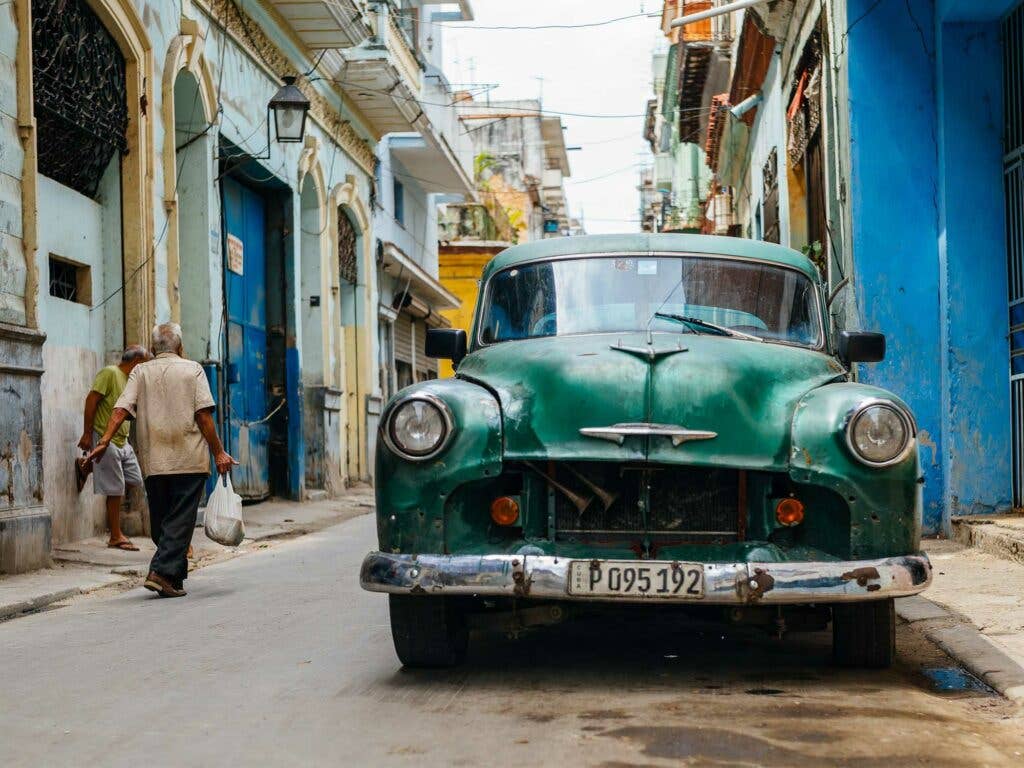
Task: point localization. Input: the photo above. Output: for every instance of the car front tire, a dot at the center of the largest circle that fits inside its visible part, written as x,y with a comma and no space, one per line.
864,634
428,632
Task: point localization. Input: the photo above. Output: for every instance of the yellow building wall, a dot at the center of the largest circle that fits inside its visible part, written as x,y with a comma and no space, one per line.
459,269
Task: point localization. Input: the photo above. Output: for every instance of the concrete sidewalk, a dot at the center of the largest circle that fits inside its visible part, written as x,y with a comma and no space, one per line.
974,610
85,566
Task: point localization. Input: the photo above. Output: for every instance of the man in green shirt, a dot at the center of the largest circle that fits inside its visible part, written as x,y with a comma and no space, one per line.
118,467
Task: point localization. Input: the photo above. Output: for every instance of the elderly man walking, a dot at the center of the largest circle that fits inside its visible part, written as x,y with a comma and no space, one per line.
118,468
170,400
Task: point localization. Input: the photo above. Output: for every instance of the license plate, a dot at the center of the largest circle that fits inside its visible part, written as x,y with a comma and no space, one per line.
636,578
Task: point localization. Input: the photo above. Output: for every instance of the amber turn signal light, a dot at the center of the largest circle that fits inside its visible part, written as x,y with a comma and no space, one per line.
504,510
789,511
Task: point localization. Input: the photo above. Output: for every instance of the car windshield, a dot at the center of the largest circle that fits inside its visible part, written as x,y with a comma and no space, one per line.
605,294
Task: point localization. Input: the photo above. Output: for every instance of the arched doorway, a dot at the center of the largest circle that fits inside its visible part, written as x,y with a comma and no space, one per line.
350,308
198,283
324,469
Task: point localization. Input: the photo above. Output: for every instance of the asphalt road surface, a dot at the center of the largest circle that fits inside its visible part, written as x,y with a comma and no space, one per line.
278,658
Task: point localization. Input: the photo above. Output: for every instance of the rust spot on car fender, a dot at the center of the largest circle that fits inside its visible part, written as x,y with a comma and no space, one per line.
862,576
522,584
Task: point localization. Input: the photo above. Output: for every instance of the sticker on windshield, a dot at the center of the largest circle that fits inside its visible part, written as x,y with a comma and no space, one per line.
647,267
624,265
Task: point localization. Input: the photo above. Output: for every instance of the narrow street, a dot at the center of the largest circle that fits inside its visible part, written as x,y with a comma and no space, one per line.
279,658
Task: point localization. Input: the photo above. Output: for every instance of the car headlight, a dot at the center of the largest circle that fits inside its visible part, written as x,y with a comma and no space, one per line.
418,427
879,433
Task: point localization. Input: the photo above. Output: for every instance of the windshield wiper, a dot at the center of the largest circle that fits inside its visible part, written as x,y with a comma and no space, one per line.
696,322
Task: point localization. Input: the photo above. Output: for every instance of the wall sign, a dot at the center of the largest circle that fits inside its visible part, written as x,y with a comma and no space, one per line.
236,261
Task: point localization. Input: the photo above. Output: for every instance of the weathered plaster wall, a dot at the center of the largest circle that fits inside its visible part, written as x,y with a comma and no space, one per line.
80,340
928,235
973,270
894,191
12,260
24,519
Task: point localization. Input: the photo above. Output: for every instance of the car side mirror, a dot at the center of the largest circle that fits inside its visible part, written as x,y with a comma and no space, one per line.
446,344
861,347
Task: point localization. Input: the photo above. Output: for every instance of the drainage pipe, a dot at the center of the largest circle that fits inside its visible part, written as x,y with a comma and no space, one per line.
739,5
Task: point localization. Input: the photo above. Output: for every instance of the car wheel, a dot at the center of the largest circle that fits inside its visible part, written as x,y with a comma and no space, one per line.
864,634
428,631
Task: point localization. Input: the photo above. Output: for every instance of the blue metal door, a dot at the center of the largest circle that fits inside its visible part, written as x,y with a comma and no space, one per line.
245,289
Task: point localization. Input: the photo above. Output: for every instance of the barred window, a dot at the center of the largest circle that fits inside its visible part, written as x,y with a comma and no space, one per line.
70,281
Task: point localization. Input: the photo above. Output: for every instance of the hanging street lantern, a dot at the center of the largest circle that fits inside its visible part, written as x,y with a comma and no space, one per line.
290,108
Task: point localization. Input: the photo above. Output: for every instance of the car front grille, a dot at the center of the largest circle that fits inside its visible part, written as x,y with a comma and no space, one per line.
595,500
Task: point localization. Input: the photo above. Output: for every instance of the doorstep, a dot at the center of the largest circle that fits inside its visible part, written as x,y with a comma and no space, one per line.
999,535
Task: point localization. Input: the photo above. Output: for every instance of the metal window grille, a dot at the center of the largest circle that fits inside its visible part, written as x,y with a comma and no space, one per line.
78,80
348,268
63,279
1013,167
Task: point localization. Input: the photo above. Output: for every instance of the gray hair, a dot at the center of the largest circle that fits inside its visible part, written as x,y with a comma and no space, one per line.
166,338
135,352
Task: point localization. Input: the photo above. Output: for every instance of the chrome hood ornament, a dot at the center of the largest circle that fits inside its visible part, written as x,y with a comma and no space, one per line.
617,433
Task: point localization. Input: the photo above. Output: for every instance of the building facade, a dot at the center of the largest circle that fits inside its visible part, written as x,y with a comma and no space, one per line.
884,140
415,173
520,164
520,160
141,180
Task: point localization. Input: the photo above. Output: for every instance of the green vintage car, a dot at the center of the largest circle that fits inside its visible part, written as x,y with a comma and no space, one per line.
656,419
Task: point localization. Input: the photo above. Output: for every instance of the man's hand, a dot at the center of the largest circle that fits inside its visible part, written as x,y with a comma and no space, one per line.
224,462
85,441
97,453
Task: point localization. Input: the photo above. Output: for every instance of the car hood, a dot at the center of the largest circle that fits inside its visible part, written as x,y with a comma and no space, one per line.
743,391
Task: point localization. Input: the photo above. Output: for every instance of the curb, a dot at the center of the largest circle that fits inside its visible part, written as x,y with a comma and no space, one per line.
965,643
14,609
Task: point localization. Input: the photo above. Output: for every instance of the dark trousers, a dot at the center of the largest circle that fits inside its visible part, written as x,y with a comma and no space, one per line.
173,504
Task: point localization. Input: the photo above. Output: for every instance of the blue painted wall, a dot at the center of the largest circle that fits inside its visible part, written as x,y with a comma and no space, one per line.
928,238
972,259
894,197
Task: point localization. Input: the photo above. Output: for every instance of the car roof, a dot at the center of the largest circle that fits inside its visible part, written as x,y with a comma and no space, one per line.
653,243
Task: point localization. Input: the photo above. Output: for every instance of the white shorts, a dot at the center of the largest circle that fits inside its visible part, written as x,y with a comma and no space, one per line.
117,469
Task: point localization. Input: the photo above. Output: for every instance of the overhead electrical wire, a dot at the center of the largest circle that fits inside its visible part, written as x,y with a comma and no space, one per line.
528,111
581,25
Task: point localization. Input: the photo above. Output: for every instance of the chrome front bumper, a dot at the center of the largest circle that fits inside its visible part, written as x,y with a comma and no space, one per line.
546,577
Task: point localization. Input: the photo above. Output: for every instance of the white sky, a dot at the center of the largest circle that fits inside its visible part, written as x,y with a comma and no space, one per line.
603,70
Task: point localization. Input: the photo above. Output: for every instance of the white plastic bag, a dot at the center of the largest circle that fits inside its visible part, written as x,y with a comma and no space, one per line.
223,517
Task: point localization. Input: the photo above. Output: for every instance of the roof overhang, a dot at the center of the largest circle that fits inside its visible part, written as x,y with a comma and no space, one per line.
324,23
422,285
428,158
554,142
